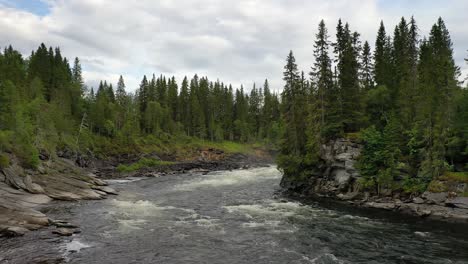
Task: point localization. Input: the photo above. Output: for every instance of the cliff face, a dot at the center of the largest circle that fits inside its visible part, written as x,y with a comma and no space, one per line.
337,177
336,174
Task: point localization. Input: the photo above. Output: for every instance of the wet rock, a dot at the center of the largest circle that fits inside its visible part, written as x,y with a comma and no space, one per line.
458,202
63,224
63,231
424,213
385,206
418,200
12,231
105,189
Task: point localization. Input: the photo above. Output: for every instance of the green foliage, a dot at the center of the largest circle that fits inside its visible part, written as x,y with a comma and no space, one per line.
455,176
6,140
414,185
143,163
436,187
45,106
4,161
403,102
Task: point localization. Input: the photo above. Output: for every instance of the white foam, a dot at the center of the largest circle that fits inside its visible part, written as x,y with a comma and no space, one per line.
422,234
75,246
325,259
261,224
354,217
269,209
207,222
227,178
130,224
146,207
126,180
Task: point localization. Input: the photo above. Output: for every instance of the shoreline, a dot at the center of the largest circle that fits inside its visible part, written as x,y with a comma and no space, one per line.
24,193
391,208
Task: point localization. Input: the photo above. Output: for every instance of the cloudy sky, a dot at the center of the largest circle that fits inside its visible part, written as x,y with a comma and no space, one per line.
238,41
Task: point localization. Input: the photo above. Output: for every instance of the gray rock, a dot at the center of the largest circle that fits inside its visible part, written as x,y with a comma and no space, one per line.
435,198
63,224
458,202
424,213
418,200
14,176
32,187
12,231
385,206
105,189
63,231
341,176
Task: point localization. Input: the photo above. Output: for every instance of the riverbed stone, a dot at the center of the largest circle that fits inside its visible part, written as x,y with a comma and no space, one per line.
12,231
458,202
63,231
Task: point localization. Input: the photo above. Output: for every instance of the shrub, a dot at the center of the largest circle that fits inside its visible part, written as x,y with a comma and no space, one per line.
436,187
4,161
414,185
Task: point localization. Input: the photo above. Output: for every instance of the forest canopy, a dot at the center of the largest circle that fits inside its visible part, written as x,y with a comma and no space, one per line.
402,100
46,107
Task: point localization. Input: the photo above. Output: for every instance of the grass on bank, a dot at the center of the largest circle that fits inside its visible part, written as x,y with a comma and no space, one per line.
455,177
143,163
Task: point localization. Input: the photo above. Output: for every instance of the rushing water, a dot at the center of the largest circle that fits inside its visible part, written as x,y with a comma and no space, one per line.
229,217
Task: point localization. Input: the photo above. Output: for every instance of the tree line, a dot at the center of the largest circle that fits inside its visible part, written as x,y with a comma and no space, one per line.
403,100
45,106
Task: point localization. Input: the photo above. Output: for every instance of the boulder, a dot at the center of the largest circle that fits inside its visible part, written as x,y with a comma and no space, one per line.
12,231
385,206
418,200
63,231
435,198
62,224
458,202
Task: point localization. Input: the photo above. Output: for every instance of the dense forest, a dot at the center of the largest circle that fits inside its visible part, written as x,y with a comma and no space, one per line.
45,107
403,101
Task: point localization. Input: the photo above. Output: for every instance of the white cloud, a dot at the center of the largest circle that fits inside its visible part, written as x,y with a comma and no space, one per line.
241,41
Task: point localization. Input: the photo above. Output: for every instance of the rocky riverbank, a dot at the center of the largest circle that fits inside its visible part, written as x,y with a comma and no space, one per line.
24,192
337,178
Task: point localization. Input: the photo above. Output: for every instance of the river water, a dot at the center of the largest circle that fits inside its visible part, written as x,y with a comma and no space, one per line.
229,217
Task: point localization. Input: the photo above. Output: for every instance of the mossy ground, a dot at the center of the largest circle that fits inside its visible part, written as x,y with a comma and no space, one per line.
143,163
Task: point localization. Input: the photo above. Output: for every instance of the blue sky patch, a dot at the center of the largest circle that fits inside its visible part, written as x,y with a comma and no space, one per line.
37,7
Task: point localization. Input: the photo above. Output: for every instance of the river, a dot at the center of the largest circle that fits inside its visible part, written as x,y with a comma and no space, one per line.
229,217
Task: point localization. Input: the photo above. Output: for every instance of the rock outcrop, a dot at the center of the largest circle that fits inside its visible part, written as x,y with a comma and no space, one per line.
22,192
337,177
336,174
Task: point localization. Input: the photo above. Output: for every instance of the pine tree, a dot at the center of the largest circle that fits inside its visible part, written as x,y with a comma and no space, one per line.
172,98
184,105
325,93
382,58
292,107
367,68
348,47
